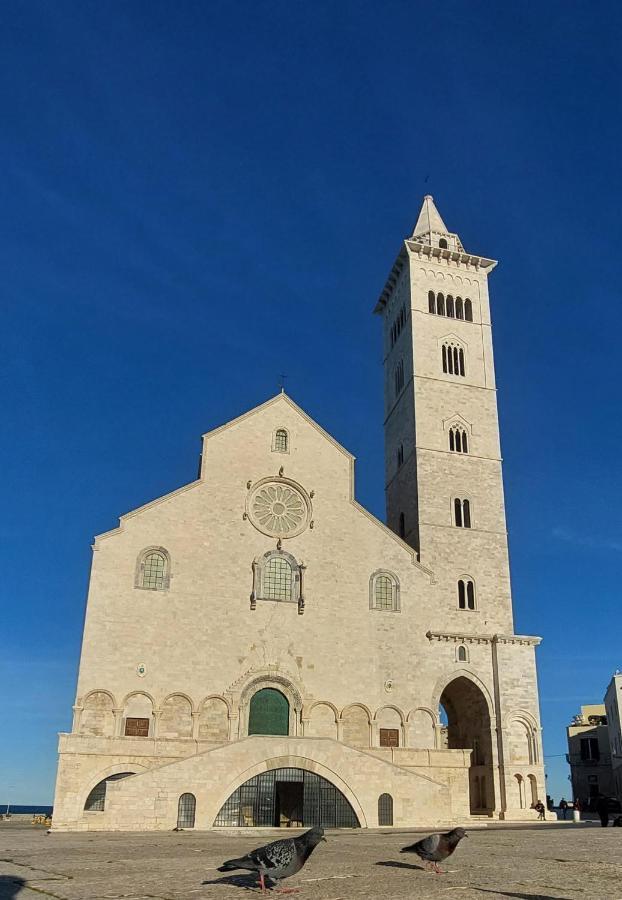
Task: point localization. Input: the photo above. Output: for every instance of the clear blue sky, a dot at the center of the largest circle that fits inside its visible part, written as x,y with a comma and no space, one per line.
199,196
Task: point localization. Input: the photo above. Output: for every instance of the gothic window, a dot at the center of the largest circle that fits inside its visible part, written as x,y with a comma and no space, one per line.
431,302
399,378
462,513
442,244
468,310
384,591
400,456
459,308
466,593
453,359
402,526
440,305
280,442
458,442
450,306
462,654
153,569
276,576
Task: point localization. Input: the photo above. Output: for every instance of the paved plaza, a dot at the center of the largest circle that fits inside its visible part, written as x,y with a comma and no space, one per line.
529,862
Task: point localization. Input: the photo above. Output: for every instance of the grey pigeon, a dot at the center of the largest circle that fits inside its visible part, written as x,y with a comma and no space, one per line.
278,860
437,847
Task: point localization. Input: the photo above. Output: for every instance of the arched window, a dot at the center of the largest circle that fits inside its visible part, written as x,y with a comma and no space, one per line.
462,513
459,308
96,800
153,569
280,444
462,654
458,442
450,306
277,576
452,357
186,809
442,244
468,310
402,526
466,593
440,305
384,591
268,713
431,302
385,809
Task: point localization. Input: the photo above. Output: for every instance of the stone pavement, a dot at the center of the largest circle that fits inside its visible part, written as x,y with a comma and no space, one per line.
527,862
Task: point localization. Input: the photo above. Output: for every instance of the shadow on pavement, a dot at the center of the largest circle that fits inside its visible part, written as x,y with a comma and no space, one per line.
10,886
394,864
250,882
520,896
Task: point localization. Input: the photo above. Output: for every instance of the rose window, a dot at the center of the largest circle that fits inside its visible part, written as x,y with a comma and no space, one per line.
278,508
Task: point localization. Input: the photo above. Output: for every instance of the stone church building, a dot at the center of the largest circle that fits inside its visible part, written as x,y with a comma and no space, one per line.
260,650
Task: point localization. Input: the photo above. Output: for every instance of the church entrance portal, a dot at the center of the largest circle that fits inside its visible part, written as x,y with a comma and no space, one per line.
287,798
269,713
468,726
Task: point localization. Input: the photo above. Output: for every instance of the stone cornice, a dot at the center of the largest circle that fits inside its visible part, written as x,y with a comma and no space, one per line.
464,638
433,254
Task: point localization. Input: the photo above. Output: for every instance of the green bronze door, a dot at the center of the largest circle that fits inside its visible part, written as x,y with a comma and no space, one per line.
269,713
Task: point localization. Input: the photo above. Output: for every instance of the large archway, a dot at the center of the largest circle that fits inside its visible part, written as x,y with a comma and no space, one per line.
467,723
287,797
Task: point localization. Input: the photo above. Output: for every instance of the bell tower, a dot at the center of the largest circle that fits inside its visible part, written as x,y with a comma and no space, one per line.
443,478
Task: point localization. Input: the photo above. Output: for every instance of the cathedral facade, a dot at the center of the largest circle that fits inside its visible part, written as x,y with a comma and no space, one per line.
259,650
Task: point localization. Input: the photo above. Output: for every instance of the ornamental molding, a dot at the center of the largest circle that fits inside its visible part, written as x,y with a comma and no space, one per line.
462,638
278,507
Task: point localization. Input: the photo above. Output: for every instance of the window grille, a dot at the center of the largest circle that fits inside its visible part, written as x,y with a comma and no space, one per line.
154,571
277,579
256,802
136,727
281,441
96,800
186,810
383,592
385,809
389,737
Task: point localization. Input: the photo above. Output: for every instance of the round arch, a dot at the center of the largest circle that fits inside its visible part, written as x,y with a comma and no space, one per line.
311,766
281,683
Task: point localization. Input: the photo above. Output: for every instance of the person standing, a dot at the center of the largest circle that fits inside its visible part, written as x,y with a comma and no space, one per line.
539,807
602,808
563,805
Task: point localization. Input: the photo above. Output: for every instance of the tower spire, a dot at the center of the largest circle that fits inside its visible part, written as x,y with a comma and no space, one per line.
431,230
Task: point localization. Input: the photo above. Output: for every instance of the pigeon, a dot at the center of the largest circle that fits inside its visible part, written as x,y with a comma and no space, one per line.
436,847
278,860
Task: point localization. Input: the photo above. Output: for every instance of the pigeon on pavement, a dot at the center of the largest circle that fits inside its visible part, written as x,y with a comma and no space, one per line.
437,847
278,860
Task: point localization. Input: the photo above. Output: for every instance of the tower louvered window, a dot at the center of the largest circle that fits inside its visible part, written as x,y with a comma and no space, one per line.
462,513
458,441
466,593
453,359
